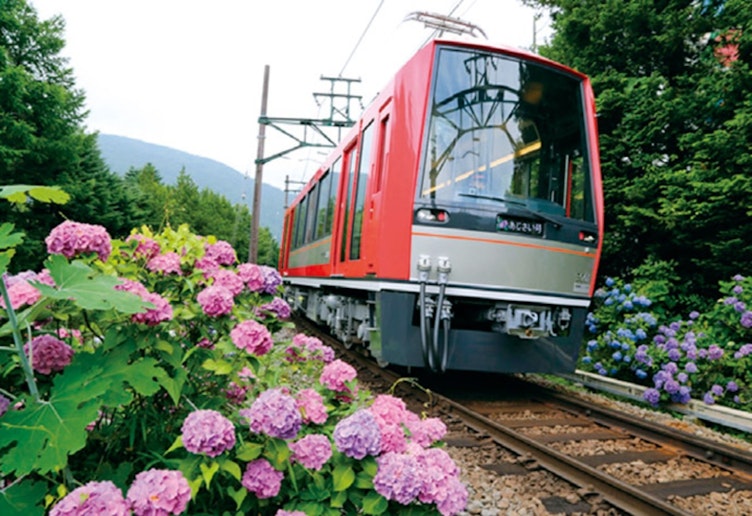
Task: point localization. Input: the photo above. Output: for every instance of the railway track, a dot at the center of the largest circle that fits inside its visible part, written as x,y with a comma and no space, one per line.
613,462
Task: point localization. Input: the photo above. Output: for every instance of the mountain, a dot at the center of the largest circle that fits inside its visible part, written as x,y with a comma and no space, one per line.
121,154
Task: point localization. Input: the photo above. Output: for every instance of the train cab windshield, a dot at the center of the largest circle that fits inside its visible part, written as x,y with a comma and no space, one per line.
503,130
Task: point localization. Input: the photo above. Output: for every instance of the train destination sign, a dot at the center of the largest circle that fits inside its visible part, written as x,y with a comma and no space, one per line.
515,225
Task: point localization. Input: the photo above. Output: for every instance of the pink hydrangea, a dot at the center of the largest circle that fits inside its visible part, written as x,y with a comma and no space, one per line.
216,301
261,479
304,347
168,263
335,374
274,413
20,289
389,408
312,451
73,334
146,248
207,432
72,238
425,431
21,294
207,265
398,477
161,312
438,469
252,275
228,279
48,354
282,512
311,406
159,492
392,436
236,394
132,286
253,337
221,252
93,498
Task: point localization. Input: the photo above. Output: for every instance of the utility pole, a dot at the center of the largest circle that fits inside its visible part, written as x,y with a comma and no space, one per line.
253,246
288,182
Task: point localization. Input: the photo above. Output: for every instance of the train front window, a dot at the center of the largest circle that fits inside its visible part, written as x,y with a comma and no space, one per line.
502,129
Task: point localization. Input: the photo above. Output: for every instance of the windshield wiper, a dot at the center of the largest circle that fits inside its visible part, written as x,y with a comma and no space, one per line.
517,204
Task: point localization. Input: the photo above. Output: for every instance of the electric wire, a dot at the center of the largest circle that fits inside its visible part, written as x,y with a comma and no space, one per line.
362,35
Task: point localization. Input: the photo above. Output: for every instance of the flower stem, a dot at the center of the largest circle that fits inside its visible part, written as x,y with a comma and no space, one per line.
28,373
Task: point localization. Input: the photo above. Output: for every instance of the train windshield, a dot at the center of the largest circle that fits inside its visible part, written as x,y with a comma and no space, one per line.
506,130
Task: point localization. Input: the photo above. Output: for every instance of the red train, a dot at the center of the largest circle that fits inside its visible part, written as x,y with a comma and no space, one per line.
459,224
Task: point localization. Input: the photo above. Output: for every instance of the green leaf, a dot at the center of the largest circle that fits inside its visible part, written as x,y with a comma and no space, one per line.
249,451
374,503
338,499
23,498
343,477
278,453
238,495
42,435
363,480
178,443
231,467
7,237
217,366
17,193
207,472
87,288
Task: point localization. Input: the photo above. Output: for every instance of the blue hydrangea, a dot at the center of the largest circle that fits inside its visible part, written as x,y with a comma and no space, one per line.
652,396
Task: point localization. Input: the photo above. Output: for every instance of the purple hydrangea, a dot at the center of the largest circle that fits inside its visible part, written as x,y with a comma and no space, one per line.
272,279
440,481
278,307
4,404
398,477
744,351
93,498
48,354
207,432
275,414
253,337
715,352
731,386
73,238
262,479
282,512
652,396
358,435
312,451
159,492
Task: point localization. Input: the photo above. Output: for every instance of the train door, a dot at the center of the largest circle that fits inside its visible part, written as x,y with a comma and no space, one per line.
340,237
371,225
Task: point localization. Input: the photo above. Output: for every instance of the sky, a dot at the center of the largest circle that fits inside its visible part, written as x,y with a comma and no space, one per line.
189,74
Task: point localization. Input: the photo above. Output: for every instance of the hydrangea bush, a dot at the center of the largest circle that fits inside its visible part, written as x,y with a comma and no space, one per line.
153,376
706,356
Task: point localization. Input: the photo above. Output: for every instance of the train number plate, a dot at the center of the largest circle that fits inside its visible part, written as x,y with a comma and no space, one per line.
515,225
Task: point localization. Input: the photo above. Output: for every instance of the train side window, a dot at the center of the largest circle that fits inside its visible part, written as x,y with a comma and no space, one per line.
383,154
323,205
364,169
294,222
336,172
312,210
352,158
303,207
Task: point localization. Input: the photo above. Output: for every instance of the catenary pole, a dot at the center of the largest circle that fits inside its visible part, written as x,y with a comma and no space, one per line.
253,247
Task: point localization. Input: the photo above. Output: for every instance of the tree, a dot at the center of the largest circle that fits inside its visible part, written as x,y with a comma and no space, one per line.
42,140
675,121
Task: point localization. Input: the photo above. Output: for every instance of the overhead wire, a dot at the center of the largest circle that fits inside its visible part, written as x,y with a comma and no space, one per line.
362,35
